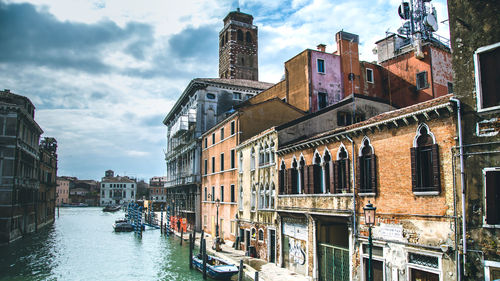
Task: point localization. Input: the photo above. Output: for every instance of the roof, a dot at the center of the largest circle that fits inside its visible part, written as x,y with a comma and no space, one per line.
383,118
117,180
204,82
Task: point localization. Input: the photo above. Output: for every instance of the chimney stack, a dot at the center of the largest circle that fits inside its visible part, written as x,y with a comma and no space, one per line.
321,47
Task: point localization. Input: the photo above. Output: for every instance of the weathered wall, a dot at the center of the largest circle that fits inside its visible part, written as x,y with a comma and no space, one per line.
329,82
474,24
297,77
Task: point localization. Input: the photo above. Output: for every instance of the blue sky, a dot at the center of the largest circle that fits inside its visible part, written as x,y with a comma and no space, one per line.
103,74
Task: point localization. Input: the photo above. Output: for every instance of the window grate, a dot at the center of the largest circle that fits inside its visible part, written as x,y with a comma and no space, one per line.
424,260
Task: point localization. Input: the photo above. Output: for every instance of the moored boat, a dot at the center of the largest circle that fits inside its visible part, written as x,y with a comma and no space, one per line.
111,208
217,268
123,227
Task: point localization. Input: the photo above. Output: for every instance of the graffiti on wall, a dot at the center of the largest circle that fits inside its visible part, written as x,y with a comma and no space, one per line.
297,252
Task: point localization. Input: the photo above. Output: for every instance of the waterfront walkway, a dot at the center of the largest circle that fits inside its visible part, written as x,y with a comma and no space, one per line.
267,271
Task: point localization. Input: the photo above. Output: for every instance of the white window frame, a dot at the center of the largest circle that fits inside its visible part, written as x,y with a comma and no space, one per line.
438,271
324,66
371,76
484,197
377,258
477,74
487,265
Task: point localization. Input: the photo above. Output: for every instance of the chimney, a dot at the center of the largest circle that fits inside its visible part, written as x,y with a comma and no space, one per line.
321,47
347,49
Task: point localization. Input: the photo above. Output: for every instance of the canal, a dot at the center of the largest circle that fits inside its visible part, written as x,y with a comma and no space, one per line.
81,245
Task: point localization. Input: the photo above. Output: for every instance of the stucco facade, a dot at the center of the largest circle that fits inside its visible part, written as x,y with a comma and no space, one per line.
257,195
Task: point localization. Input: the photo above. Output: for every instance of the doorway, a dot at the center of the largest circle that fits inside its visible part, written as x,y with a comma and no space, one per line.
272,245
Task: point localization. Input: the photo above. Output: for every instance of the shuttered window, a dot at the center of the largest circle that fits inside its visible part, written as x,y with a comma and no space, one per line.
492,194
341,173
366,174
425,163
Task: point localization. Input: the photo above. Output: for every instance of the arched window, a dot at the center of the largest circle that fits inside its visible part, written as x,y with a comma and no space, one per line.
222,40
266,196
240,203
239,35
317,183
300,180
366,174
261,235
226,37
252,159
342,171
271,153
266,154
253,232
295,178
261,197
327,172
282,178
248,37
273,194
425,161
253,198
261,155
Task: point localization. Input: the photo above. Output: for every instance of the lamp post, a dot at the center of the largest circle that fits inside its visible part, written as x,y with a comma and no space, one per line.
217,204
370,221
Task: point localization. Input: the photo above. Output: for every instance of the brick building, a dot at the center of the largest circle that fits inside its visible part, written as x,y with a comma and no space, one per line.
157,190
220,175
475,41
400,156
20,155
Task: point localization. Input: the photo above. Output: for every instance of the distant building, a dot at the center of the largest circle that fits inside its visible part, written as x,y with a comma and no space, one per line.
20,155
117,190
47,176
62,191
157,191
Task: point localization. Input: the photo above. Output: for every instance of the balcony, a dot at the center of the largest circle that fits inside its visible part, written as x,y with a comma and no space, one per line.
328,203
183,179
180,126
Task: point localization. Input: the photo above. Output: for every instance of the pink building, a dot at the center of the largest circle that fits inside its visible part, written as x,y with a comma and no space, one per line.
62,191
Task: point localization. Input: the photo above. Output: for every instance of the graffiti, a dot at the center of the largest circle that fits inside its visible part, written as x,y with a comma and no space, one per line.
297,254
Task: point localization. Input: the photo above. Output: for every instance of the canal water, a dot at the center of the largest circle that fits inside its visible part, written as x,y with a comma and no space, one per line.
81,245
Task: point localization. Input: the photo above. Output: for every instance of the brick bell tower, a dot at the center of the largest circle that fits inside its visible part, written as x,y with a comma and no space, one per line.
238,45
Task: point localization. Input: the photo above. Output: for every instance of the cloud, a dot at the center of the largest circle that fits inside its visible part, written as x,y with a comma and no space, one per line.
36,37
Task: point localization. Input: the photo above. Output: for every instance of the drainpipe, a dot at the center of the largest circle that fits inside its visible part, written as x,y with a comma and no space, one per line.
353,190
462,178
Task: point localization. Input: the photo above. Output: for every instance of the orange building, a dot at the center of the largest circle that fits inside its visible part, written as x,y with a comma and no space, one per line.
219,165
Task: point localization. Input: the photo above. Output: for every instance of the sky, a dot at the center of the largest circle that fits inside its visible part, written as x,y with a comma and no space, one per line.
103,74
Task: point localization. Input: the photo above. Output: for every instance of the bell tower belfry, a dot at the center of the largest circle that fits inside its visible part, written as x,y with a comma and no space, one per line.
238,47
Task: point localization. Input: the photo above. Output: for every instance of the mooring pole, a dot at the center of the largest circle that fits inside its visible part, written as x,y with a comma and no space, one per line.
240,271
201,240
190,251
57,211
161,220
204,259
256,276
182,234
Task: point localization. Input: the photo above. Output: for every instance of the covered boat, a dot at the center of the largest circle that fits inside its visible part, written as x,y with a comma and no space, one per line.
217,268
123,227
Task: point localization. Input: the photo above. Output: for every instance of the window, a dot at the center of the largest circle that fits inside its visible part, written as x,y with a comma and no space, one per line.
321,66
233,195
213,138
222,193
248,37
327,172
222,133
236,96
261,197
239,35
213,164
422,80
366,168
491,181
206,142
206,166
232,159
369,75
487,61
273,194
222,162
240,164
342,171
210,96
232,128
253,198
282,178
213,194
253,235
425,161
450,88
252,159
261,235
322,101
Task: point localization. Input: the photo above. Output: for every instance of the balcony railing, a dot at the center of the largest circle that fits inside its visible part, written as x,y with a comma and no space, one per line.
183,179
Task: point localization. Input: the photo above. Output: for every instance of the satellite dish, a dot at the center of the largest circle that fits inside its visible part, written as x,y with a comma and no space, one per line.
404,10
405,29
431,22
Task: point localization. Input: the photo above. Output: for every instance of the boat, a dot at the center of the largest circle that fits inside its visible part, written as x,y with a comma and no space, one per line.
217,268
111,208
123,227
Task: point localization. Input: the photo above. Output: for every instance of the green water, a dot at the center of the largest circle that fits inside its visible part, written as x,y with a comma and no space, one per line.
81,245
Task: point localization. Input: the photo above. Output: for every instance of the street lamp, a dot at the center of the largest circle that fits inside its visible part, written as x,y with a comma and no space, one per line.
370,221
217,204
